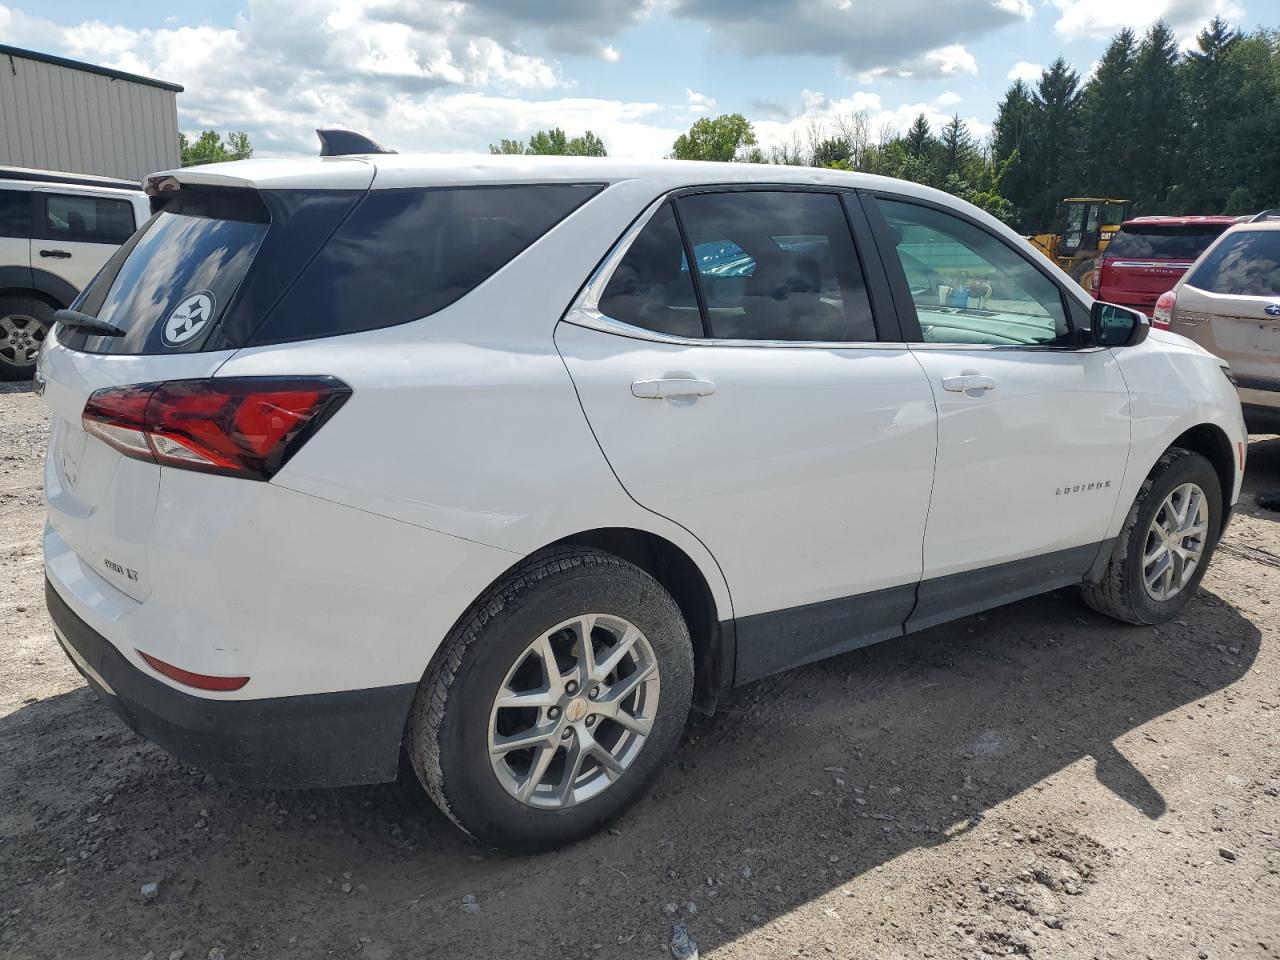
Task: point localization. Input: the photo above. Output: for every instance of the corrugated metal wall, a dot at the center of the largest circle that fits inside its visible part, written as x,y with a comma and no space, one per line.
56,118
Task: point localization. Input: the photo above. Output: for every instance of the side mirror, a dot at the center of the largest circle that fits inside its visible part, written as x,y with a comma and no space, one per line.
1116,326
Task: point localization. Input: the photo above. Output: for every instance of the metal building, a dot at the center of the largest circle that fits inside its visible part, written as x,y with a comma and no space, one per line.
59,114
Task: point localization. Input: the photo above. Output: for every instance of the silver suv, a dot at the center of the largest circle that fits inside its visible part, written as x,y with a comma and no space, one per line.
57,230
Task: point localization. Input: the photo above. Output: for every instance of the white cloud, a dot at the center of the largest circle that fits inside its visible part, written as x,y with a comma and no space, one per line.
699,102
1099,19
906,37
948,98
1026,71
610,54
1019,8
952,60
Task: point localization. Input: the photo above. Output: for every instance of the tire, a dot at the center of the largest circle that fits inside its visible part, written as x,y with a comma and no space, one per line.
1082,272
454,721
24,321
1122,592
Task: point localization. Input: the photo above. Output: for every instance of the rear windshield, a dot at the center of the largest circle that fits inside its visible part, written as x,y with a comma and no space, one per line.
169,286
225,269
1245,264
1164,242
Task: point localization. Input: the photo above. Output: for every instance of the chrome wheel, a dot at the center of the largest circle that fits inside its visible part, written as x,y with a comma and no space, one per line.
1175,542
20,339
574,711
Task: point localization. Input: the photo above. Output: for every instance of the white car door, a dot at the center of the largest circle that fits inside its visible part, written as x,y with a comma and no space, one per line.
755,402
76,233
1033,431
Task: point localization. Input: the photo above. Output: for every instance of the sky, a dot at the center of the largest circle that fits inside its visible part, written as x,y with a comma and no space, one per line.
458,75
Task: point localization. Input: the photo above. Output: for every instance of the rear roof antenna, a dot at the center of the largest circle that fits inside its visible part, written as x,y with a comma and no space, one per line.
344,143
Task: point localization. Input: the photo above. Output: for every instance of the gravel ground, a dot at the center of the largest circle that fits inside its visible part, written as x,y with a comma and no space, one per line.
1037,781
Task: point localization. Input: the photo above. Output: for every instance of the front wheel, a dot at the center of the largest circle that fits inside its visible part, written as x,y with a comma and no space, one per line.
1165,544
553,705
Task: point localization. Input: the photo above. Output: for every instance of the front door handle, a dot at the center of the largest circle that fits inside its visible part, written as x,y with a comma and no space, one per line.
968,382
670,388
56,254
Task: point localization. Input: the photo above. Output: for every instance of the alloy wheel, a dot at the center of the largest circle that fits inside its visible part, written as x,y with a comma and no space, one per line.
574,711
20,338
1175,542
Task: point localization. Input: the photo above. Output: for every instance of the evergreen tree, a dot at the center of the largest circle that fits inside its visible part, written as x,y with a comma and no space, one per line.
1155,120
1109,155
919,140
1212,83
1010,137
957,153
1053,150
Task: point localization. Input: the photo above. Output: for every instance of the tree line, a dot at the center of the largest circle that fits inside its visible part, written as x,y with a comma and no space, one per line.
1193,132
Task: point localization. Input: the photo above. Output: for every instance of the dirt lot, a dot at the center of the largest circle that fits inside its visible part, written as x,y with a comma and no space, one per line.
1036,781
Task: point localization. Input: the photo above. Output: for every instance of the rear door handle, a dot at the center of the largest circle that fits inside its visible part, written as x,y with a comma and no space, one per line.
967,382
56,254
669,388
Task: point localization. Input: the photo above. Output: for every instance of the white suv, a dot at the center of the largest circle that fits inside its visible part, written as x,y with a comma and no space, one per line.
56,231
460,456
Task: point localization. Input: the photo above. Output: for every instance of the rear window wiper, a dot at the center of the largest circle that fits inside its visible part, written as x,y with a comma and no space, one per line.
75,320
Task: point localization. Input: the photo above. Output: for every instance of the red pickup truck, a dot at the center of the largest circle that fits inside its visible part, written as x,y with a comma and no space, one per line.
1148,255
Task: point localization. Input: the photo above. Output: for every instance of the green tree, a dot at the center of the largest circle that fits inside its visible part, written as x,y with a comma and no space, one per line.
957,154
919,139
1212,81
1158,106
1053,148
1010,137
1107,107
831,151
209,147
720,138
553,142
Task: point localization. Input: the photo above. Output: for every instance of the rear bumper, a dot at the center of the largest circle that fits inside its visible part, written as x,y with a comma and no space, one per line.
1260,400
315,740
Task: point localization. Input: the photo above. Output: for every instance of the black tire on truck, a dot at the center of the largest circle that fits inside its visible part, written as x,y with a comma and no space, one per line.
24,322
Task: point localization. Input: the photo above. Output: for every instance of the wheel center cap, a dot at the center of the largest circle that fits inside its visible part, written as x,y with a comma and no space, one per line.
576,711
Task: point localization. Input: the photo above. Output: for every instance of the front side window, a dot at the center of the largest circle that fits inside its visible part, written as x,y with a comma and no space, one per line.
81,219
968,286
15,213
1245,264
777,265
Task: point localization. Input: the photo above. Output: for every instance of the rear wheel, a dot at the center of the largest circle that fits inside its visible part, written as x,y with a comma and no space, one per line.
24,323
552,706
1166,542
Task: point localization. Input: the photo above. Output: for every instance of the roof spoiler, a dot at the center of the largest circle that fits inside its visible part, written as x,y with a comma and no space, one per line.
1266,215
344,143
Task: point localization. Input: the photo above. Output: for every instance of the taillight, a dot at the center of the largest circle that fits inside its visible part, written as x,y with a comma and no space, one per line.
1162,316
238,426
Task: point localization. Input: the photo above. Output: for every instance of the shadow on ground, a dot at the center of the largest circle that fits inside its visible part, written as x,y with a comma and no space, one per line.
801,782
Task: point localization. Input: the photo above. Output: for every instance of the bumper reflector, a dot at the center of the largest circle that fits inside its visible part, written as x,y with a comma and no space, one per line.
198,680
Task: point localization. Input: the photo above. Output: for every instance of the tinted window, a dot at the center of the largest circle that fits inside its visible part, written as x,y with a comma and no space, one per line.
777,266
652,287
15,213
1162,243
405,254
968,286
1245,264
193,254
78,219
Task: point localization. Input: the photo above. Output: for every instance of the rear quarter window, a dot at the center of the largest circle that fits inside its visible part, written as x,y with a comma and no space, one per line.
15,213
1162,243
404,254
1245,264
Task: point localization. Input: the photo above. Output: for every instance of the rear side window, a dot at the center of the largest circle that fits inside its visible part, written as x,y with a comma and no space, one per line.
407,253
15,213
652,287
80,219
777,265
1162,243
1245,264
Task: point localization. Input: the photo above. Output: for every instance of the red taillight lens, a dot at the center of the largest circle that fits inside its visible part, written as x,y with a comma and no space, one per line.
243,426
1162,316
